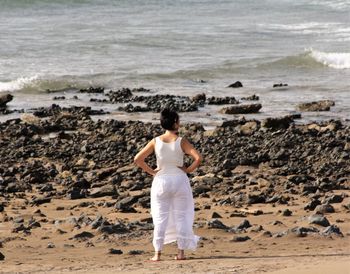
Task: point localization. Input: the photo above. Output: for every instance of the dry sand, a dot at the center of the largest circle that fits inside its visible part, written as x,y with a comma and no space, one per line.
216,252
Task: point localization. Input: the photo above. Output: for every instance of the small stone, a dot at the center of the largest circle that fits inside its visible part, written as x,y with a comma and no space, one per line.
216,215
136,252
236,84
215,223
115,251
243,225
51,245
287,212
240,239
2,257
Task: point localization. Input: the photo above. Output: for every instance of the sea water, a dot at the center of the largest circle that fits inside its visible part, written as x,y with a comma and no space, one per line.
182,47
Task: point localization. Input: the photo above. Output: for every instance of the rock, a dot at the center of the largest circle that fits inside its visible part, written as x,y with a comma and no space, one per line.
41,200
199,98
319,220
251,98
240,238
215,223
83,236
227,100
334,199
107,190
18,227
323,105
277,123
312,204
2,207
333,229
243,225
97,222
303,231
241,109
136,252
216,215
124,204
249,128
287,212
4,99
2,257
51,245
326,208
115,251
256,198
118,228
92,90
236,84
76,193
279,85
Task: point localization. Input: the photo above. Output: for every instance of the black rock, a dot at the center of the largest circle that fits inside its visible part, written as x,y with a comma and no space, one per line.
287,212
41,200
303,231
115,251
4,99
2,257
280,85
215,223
335,198
243,225
312,204
136,252
333,229
216,215
76,193
236,84
83,236
118,228
240,238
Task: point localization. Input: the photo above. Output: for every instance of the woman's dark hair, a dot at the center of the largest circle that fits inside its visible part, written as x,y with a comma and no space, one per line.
168,118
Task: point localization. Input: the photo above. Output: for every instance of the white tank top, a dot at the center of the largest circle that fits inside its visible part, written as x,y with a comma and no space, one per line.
169,156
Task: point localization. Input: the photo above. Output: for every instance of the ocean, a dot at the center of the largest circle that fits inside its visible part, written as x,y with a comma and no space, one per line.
178,47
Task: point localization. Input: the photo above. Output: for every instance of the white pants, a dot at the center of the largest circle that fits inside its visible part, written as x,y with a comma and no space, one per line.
172,210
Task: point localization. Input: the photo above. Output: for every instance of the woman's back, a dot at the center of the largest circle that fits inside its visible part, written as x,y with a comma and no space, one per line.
169,156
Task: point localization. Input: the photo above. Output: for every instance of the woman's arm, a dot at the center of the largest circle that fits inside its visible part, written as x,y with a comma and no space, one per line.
140,157
188,148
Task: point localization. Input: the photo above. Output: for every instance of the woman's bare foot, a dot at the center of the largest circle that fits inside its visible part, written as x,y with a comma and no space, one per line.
180,255
156,257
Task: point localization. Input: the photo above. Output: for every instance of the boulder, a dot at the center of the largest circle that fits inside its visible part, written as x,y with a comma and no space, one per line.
323,105
107,190
277,123
241,109
319,220
4,99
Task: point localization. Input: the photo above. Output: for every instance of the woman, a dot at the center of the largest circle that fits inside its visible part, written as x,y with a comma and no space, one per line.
172,205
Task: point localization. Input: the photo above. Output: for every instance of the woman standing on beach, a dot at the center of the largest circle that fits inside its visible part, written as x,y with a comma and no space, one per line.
172,205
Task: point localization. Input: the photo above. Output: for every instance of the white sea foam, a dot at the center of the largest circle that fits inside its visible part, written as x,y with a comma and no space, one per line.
338,60
17,84
334,4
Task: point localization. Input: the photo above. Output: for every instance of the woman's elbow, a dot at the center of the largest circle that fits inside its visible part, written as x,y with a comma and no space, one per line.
137,160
